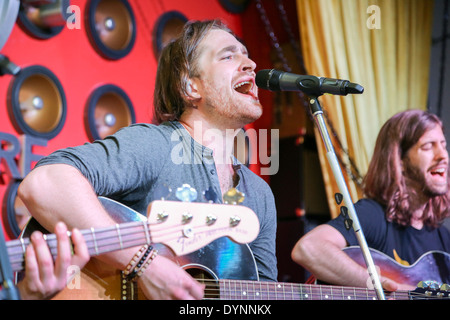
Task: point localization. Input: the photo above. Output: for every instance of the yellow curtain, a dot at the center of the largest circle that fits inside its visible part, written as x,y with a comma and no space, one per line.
383,45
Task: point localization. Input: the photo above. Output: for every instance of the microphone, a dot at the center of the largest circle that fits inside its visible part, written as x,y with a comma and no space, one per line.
275,80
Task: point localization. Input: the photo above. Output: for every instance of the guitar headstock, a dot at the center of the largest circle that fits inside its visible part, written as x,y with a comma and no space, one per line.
188,226
431,290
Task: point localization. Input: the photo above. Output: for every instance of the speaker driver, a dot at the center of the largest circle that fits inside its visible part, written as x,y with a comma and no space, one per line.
37,103
111,27
108,109
43,19
17,214
168,27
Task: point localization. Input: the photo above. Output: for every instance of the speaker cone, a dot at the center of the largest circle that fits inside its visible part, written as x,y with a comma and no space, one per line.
37,103
111,27
168,27
108,109
43,19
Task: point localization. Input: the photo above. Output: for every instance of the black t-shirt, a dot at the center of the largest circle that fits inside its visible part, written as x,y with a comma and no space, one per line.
409,243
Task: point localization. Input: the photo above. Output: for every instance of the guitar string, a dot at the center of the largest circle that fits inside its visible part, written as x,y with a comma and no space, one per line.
128,235
275,295
112,234
100,238
51,239
249,290
289,294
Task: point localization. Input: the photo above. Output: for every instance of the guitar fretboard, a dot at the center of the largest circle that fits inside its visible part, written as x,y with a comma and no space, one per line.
253,290
99,241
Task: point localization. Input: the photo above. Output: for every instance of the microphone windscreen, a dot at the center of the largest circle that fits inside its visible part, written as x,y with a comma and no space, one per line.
268,79
262,78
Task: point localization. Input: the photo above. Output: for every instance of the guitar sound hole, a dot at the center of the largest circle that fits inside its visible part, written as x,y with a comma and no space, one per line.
212,289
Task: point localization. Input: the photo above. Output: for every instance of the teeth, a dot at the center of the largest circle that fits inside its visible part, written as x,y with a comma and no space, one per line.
241,84
439,171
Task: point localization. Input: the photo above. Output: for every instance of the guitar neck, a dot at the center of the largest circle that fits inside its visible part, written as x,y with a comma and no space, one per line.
98,241
183,227
254,290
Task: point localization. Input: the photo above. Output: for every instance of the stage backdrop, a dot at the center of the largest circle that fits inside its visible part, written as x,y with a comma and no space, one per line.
93,74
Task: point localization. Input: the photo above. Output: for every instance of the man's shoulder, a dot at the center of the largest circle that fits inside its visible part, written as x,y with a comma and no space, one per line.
371,205
147,131
253,178
163,127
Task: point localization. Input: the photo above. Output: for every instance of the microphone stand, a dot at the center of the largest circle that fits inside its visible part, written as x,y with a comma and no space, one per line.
316,111
9,290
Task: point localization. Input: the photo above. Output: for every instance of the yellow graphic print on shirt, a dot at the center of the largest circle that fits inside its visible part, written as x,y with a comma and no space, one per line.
399,260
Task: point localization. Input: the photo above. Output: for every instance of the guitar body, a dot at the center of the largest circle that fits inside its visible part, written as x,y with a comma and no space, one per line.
227,267
225,259
431,266
219,259
97,280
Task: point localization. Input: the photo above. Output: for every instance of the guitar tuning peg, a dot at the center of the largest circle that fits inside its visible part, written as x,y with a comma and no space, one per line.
434,285
186,218
161,217
428,285
211,219
233,196
210,195
186,193
234,221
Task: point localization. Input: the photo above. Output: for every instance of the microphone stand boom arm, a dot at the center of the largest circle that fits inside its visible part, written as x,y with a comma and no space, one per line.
316,111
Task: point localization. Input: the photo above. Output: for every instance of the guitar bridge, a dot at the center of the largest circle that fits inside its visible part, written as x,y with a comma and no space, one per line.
128,289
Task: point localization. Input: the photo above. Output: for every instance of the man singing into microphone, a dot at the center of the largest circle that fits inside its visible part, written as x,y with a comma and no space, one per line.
205,83
313,86
407,190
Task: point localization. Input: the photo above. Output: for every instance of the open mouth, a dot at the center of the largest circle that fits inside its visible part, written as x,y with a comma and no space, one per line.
439,175
244,87
438,172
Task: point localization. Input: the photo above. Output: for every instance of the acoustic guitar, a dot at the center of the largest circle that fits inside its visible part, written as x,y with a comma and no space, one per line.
222,265
228,268
178,228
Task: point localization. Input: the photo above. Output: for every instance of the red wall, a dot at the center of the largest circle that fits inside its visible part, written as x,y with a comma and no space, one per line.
80,69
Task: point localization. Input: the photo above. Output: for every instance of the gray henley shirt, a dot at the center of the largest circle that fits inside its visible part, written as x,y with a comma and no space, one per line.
132,164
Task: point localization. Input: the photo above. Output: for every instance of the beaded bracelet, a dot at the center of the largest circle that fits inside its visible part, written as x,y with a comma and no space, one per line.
137,258
135,269
150,259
